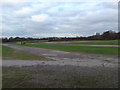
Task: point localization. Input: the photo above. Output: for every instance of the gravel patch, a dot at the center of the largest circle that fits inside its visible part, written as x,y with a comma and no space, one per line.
68,70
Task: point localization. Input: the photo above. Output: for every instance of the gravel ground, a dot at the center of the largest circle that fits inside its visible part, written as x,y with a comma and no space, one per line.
64,58
64,73
54,76
68,70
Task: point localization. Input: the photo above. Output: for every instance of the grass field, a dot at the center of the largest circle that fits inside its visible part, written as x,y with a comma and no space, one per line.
105,42
83,49
9,53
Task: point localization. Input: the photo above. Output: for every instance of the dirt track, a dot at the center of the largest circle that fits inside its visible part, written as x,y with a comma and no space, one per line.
67,58
67,69
94,45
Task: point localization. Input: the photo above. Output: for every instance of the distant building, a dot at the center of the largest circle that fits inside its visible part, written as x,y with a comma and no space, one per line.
97,34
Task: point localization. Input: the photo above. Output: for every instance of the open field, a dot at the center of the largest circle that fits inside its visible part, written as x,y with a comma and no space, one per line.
63,58
12,54
62,69
89,42
80,49
102,42
60,44
59,77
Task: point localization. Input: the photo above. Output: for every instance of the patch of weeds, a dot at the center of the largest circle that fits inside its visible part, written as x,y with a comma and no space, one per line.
86,81
46,71
42,71
15,78
18,78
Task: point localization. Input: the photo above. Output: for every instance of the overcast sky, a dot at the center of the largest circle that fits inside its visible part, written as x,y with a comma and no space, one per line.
33,18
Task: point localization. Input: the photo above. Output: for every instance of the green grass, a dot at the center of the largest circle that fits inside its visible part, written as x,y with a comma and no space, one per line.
83,49
105,42
10,53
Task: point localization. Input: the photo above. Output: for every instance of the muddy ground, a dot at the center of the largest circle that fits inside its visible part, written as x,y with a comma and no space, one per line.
67,69
54,76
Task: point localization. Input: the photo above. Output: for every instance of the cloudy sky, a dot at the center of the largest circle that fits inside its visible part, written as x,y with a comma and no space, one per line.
33,18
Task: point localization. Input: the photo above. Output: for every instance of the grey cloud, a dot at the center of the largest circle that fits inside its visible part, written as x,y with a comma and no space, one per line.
63,19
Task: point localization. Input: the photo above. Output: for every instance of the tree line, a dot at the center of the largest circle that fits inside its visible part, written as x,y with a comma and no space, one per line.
107,35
